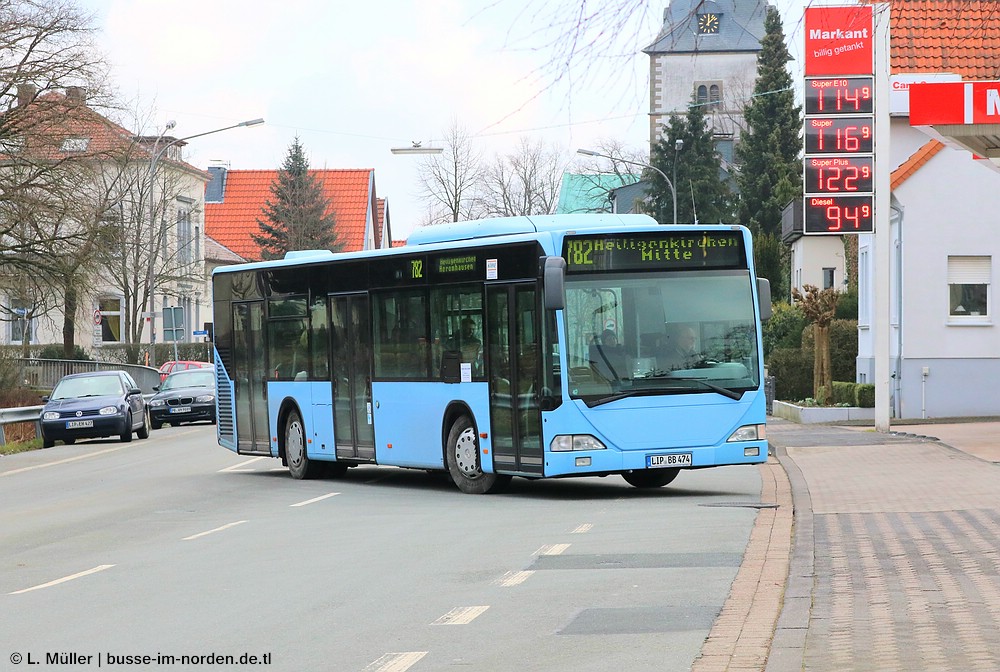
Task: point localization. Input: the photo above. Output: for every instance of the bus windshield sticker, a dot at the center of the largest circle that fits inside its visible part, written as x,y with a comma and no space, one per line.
655,251
491,269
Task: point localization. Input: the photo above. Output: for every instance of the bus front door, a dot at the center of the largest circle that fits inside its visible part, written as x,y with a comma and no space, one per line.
350,353
250,379
513,333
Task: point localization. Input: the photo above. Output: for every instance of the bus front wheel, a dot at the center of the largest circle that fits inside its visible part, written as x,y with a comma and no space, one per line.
463,461
655,478
299,464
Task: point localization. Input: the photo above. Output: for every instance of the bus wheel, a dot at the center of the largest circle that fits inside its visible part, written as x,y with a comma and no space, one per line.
654,478
299,465
463,461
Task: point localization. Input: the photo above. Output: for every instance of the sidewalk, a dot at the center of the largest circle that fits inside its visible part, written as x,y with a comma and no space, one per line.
895,559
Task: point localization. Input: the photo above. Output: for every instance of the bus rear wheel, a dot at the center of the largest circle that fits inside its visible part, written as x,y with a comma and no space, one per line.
299,464
655,478
463,461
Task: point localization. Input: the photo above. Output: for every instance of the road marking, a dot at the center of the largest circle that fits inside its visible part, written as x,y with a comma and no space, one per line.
239,467
586,527
514,578
68,459
316,499
552,549
218,529
460,616
396,662
99,568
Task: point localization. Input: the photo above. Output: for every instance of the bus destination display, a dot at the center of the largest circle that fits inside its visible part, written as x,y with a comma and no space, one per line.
840,95
839,174
840,135
839,214
656,251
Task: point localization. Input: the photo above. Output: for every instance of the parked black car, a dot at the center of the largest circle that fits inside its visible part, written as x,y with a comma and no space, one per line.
94,405
185,396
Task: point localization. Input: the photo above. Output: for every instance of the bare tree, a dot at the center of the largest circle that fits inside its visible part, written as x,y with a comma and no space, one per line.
449,181
525,182
600,175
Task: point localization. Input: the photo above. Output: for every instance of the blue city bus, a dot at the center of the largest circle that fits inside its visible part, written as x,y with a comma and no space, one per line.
539,347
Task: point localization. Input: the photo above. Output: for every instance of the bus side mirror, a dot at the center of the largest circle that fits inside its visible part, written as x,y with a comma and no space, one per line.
764,296
553,283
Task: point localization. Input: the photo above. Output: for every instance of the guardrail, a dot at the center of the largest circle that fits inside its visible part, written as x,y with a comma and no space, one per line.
23,414
43,374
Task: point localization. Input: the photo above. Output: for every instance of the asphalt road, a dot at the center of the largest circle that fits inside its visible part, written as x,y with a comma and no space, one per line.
173,546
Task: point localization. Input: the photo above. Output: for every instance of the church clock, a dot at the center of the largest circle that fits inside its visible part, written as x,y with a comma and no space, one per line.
708,24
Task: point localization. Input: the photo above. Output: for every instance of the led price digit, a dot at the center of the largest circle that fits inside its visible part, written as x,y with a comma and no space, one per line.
839,215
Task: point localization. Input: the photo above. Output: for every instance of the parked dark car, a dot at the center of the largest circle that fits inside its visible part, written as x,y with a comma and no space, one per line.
185,396
94,405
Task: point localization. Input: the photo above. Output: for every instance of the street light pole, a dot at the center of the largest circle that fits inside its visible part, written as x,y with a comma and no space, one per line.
154,229
673,192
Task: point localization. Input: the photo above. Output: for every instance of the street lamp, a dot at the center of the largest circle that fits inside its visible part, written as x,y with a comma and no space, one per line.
673,192
153,229
416,148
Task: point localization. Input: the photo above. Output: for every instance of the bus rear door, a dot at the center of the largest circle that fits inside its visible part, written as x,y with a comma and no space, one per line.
250,379
350,354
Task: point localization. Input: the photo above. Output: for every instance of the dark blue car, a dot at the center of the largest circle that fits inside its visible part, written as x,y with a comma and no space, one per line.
94,405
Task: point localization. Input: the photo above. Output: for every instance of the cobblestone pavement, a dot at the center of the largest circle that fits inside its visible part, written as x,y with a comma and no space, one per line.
895,563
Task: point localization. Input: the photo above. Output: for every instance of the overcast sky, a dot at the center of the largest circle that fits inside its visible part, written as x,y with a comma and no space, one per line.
354,79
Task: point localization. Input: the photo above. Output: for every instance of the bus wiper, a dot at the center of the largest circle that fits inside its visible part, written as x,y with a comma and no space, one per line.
619,395
724,391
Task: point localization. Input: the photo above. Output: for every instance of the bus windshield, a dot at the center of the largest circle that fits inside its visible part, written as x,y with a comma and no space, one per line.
666,332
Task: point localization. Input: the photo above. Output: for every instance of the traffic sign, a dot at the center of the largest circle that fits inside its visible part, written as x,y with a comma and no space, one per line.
97,317
199,332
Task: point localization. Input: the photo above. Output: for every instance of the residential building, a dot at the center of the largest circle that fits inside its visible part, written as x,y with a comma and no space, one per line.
945,343
118,236
235,200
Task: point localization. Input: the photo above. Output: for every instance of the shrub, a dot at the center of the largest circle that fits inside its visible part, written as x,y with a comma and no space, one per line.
843,348
864,395
847,306
844,393
793,373
823,396
784,329
55,351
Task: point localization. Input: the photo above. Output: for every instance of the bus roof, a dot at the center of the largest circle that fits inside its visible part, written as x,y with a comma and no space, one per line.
456,232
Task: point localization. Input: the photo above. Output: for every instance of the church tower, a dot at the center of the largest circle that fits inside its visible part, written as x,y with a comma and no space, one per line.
705,53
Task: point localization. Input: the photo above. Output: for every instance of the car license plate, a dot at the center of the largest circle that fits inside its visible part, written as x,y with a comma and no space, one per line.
671,460
181,409
76,424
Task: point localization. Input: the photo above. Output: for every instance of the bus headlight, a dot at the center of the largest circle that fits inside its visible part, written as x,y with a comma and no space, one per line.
749,433
567,442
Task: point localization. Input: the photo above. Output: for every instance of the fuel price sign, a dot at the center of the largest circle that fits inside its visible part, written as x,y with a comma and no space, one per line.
838,215
839,174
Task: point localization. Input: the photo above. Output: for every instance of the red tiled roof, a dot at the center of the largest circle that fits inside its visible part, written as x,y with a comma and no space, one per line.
232,221
957,36
913,164
52,118
399,243
379,221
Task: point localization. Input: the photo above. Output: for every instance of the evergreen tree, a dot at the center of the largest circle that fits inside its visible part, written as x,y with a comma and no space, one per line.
703,193
768,155
297,217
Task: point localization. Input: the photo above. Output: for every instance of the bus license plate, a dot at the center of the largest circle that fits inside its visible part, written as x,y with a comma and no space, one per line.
672,460
76,424
181,409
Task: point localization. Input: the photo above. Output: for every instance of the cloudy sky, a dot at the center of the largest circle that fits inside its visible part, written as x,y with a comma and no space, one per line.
355,79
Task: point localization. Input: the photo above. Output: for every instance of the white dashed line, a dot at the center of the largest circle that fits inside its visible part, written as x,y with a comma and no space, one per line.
99,568
241,465
514,578
316,499
586,527
218,529
52,464
396,662
552,549
460,616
